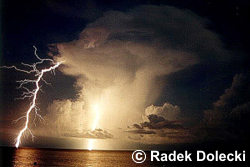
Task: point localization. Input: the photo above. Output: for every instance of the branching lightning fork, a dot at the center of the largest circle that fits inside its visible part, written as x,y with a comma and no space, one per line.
27,93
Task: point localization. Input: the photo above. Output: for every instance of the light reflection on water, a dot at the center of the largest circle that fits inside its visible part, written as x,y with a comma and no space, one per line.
25,157
90,144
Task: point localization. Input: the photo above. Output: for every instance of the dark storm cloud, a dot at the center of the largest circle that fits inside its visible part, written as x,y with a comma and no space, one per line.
95,134
240,111
158,122
137,126
237,94
162,123
231,112
141,131
184,134
160,117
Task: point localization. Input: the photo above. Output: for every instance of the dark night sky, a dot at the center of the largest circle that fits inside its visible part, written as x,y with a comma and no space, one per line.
44,22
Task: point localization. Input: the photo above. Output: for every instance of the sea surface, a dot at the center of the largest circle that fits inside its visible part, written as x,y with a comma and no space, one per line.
30,157
35,157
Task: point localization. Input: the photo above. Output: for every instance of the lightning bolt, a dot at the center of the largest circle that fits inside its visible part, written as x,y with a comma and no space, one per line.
96,110
27,93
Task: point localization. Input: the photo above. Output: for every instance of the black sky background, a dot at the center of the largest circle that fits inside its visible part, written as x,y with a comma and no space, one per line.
40,23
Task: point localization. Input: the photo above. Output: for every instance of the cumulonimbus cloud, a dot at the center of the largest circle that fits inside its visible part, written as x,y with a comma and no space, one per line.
118,57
